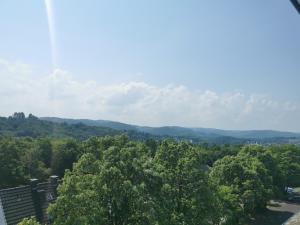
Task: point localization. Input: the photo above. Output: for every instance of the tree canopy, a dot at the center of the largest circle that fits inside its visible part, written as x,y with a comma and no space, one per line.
115,180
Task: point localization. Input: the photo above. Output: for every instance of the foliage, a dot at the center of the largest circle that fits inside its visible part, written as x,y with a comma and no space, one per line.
288,160
115,180
244,185
65,153
25,158
112,190
11,170
128,186
186,196
29,221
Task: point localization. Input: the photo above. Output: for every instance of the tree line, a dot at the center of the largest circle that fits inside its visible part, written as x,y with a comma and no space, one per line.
115,180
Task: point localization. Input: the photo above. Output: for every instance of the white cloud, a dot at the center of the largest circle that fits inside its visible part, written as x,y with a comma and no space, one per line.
59,94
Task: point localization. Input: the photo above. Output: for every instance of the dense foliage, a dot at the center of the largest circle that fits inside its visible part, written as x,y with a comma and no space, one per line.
115,180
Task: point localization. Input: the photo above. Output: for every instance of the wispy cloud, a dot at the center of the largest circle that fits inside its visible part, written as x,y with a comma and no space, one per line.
59,94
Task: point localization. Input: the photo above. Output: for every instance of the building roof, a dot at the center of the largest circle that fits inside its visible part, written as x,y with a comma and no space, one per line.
17,204
26,201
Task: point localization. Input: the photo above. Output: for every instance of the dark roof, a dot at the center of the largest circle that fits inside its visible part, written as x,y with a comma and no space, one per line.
17,204
26,201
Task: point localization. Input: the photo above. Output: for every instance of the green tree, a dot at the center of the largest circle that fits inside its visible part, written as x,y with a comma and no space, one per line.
66,152
11,169
186,196
33,166
265,156
29,221
45,150
288,159
79,197
244,186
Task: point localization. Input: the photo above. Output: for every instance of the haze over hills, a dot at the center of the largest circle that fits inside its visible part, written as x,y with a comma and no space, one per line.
183,132
21,126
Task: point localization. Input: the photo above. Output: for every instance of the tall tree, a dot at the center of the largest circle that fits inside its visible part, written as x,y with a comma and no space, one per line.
244,186
11,168
186,196
66,152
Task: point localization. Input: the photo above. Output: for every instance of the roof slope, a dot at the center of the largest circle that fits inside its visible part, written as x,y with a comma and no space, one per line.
17,204
27,201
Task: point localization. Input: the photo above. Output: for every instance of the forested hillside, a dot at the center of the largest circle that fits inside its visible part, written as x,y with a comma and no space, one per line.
197,135
20,126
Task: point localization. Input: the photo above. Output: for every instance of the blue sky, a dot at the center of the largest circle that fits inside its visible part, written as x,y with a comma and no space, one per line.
225,48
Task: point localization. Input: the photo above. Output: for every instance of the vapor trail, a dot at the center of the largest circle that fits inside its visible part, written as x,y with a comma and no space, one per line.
52,35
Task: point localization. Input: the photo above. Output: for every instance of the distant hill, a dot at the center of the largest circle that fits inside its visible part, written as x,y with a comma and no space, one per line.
101,123
194,134
33,127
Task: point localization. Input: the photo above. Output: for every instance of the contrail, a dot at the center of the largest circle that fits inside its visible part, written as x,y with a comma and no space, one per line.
51,26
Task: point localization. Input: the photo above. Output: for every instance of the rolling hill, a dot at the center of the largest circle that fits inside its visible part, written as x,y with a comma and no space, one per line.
200,134
18,125
34,127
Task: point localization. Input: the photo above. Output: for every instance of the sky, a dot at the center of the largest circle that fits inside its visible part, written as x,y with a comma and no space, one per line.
222,64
